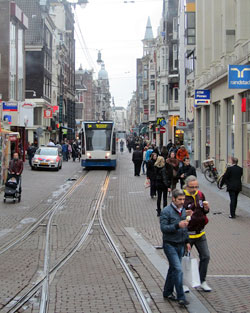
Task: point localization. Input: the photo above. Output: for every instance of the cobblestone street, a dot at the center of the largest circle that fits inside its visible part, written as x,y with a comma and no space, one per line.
92,280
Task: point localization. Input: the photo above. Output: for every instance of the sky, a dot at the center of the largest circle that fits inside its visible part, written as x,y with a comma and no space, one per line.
117,29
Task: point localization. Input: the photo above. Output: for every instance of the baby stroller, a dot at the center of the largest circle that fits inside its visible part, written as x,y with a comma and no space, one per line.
12,188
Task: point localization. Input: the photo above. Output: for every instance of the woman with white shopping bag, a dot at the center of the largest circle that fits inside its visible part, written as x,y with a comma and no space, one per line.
175,239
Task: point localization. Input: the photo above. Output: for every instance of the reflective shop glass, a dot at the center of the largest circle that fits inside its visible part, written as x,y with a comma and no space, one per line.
98,139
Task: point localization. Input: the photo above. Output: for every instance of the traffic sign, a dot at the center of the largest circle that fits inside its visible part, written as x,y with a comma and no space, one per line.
239,76
202,96
162,130
163,122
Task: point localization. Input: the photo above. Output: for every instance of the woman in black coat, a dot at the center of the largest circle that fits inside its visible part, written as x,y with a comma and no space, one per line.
151,174
164,177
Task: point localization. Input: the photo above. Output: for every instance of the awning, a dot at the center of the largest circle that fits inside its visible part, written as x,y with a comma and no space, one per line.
64,127
9,132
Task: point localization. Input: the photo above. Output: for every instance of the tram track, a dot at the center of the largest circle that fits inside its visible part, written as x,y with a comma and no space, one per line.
49,270
42,217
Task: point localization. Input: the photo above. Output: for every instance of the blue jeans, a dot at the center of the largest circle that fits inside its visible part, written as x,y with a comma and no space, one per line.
175,276
143,166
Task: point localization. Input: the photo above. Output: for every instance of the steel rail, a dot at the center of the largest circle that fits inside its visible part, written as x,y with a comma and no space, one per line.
125,267
20,302
46,280
41,218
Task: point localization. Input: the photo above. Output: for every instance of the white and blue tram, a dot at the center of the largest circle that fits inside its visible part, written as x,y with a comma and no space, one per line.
98,141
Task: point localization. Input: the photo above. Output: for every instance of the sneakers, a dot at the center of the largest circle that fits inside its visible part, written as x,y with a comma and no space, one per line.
185,289
230,216
171,297
205,287
183,302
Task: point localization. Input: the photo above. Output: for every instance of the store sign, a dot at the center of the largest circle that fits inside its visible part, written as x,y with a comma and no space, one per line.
47,113
28,104
202,96
181,124
12,138
239,76
10,106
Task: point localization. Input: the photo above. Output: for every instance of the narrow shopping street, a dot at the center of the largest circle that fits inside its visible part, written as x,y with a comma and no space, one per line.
92,280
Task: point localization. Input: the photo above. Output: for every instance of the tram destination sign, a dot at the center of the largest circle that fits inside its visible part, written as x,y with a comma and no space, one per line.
239,76
99,126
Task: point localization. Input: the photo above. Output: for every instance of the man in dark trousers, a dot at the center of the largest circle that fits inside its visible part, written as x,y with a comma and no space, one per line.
137,159
232,178
185,171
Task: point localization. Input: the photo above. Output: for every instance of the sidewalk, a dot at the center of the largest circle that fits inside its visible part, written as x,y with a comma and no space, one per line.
130,206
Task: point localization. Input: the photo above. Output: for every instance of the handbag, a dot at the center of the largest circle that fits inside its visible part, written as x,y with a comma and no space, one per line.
191,275
147,183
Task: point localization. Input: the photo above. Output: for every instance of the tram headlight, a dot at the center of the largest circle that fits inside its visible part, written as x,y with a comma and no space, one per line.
107,154
88,155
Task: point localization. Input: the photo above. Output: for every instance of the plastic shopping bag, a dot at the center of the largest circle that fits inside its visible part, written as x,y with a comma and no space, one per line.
191,276
147,183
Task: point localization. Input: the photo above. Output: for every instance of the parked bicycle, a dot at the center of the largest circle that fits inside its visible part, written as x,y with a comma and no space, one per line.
210,173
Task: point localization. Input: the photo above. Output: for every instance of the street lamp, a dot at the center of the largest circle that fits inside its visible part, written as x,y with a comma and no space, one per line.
34,93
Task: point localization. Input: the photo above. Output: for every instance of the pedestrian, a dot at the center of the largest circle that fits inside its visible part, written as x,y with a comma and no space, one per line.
51,143
74,151
185,171
65,151
163,175
164,152
232,178
137,160
170,144
197,207
148,153
175,164
144,163
151,174
121,145
69,150
173,149
31,152
181,154
175,240
16,169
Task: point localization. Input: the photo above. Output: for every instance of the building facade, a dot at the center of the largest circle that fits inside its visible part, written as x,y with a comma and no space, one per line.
222,128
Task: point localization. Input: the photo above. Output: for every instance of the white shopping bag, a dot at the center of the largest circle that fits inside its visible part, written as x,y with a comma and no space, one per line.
191,276
147,183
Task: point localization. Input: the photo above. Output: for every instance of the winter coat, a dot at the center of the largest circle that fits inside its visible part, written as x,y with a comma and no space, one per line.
181,154
151,171
232,178
187,170
195,203
16,166
169,222
164,176
137,156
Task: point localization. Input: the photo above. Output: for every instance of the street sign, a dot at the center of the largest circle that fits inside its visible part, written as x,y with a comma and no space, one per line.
163,122
239,76
181,124
39,131
202,97
162,130
47,113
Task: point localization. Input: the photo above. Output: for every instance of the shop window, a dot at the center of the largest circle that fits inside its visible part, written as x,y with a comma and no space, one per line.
217,133
230,129
207,112
246,139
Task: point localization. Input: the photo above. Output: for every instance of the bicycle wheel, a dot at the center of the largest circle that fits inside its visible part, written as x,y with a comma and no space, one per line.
219,183
209,175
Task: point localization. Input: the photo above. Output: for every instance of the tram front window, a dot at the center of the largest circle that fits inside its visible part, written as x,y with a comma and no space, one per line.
98,139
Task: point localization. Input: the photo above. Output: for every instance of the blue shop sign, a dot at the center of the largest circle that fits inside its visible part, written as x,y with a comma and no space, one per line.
239,76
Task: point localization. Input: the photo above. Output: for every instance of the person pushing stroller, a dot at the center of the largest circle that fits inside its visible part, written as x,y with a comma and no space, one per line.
16,169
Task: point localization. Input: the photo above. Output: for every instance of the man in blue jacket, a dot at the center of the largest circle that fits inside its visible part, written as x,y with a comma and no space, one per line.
175,238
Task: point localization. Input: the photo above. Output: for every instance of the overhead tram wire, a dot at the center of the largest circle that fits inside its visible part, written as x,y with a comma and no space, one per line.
84,43
84,51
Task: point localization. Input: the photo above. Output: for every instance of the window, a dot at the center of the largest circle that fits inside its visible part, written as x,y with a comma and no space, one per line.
230,128
246,140
175,28
145,72
190,32
152,82
152,106
13,62
20,95
175,57
98,139
217,133
37,116
47,87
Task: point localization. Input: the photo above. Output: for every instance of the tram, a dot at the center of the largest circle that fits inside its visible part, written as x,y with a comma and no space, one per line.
98,141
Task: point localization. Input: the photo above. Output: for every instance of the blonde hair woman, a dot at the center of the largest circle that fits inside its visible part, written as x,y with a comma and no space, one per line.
164,177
